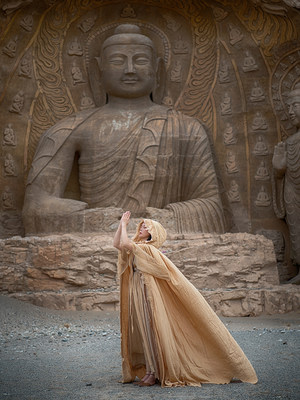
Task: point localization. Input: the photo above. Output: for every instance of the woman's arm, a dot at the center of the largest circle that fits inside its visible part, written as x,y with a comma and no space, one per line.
117,237
125,242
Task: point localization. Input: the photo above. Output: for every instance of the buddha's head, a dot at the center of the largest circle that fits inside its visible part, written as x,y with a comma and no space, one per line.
129,65
294,105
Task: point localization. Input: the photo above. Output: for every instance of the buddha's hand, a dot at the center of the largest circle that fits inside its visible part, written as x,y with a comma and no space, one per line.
279,160
67,206
51,205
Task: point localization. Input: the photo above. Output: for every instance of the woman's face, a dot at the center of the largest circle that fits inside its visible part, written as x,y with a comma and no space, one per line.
143,234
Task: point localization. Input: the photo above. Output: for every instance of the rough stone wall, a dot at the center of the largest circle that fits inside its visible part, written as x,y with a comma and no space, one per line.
236,273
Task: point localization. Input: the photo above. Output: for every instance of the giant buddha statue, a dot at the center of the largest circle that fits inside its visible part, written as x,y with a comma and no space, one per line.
286,170
133,153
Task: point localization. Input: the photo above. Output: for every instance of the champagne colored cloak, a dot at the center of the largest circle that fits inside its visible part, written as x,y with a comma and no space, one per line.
193,345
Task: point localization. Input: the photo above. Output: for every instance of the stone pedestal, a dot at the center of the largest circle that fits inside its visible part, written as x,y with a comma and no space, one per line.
236,273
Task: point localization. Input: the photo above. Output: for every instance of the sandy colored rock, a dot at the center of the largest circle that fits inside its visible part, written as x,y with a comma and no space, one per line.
236,273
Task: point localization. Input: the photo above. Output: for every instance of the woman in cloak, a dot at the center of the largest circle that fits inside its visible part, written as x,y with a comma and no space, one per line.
169,332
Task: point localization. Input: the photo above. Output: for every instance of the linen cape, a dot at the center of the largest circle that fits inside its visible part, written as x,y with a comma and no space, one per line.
193,345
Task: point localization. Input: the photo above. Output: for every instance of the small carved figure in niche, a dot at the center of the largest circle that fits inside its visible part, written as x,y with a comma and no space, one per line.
76,74
260,148
9,138
10,166
226,105
25,67
257,93
262,173
170,171
181,46
176,72
75,48
8,202
228,135
235,35
27,23
17,103
287,84
87,24
86,102
286,178
172,23
283,66
11,48
259,122
249,63
219,13
224,72
233,192
230,163
262,199
14,5
128,12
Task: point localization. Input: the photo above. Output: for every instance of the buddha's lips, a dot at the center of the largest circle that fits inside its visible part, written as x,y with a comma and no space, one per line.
133,80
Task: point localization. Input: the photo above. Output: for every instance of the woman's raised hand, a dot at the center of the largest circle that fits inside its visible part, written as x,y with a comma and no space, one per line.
126,217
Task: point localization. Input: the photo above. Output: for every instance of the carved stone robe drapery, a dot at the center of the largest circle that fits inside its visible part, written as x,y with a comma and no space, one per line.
287,203
191,345
164,160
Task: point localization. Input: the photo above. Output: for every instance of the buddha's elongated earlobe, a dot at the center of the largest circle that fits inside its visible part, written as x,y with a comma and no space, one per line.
161,75
95,82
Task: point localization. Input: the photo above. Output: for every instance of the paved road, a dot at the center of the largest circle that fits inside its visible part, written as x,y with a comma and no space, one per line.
59,355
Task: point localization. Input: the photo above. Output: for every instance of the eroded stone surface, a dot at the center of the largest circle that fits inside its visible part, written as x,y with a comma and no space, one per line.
236,273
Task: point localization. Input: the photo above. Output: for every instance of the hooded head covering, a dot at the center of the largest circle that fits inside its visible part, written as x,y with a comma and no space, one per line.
156,230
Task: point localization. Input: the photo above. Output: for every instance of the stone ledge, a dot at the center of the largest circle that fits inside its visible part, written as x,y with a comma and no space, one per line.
236,273
225,302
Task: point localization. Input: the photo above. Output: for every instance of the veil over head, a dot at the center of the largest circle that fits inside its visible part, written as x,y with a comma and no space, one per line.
156,230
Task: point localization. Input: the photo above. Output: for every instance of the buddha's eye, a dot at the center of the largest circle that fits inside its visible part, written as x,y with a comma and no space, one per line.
141,61
116,60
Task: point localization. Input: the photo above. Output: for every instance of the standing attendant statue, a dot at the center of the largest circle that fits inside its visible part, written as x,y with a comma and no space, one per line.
286,182
133,153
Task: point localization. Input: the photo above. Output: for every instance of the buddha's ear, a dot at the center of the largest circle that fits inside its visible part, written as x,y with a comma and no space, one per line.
161,76
95,82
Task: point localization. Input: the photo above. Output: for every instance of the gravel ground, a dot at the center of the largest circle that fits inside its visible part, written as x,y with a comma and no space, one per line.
48,355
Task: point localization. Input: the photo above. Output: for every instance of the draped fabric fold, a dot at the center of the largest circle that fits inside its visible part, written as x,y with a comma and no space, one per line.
190,343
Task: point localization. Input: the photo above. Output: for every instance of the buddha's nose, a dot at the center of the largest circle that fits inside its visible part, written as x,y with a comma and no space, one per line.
130,66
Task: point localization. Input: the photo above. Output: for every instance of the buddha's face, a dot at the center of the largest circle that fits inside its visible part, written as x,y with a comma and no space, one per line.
128,71
294,110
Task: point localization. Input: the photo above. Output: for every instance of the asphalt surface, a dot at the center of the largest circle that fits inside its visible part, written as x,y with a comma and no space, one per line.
62,355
